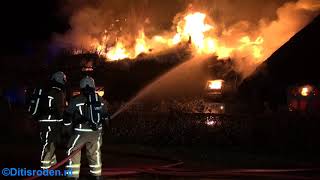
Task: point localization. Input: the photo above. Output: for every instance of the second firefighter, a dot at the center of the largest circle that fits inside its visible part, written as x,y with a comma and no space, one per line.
87,115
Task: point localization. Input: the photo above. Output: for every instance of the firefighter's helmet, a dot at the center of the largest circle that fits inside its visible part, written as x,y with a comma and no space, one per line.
87,82
59,77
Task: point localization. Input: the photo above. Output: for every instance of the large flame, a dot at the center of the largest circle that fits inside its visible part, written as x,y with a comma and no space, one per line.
193,28
117,52
141,45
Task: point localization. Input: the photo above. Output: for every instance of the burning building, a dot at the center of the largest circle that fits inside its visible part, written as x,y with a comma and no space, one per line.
221,87
291,72
133,34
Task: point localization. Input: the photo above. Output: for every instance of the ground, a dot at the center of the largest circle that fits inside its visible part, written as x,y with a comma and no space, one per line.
198,162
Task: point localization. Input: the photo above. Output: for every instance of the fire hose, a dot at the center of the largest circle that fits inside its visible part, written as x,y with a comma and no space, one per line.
230,173
172,170
57,165
114,171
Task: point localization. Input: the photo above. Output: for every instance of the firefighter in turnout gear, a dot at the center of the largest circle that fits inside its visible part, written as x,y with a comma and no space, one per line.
51,107
87,115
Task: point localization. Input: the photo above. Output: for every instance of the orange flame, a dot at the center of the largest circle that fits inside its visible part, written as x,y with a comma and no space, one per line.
118,52
141,46
306,90
215,84
254,46
192,28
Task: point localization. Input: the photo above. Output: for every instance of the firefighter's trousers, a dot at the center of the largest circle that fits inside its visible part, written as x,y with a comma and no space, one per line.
49,134
92,141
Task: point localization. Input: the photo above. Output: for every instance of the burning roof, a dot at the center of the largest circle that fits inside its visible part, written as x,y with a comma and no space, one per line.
193,27
295,62
98,28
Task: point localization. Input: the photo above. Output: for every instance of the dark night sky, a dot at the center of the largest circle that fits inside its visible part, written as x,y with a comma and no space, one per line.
25,22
